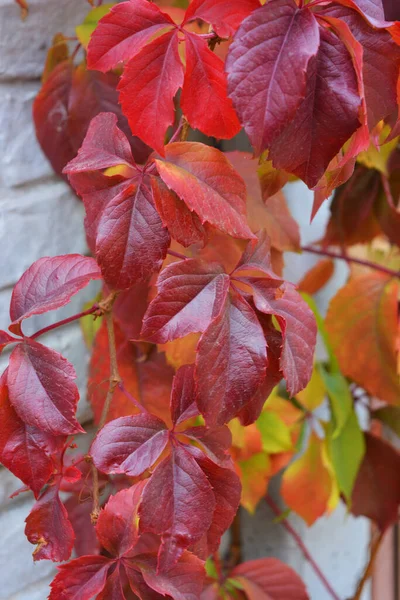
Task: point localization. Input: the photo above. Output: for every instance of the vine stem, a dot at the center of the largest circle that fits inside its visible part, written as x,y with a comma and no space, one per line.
90,311
285,523
375,546
128,395
350,259
177,254
114,380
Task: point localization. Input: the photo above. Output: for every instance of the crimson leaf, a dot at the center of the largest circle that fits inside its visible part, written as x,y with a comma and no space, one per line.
49,284
42,388
225,17
258,64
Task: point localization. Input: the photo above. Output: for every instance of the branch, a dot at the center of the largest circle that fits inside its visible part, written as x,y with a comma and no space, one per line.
306,553
115,379
90,311
375,546
350,259
131,398
177,254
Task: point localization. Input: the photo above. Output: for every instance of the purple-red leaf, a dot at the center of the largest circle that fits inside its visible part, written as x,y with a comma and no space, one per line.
148,86
190,294
178,504
42,388
225,17
204,99
267,66
5,339
183,225
183,396
80,579
47,525
123,32
298,327
326,118
269,578
25,450
208,184
129,445
104,146
49,284
231,361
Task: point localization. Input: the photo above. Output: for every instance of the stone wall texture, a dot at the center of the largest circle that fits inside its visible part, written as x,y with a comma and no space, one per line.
39,216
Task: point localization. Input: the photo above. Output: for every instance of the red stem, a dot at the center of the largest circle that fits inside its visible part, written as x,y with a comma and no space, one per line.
89,311
285,523
350,259
177,254
131,398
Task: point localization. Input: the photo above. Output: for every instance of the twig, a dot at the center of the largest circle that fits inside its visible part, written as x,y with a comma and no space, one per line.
351,259
90,311
177,254
236,542
375,546
185,129
285,523
131,398
106,305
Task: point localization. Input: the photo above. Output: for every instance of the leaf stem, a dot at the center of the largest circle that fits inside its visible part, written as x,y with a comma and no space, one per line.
177,254
375,546
306,553
131,398
90,311
114,380
350,259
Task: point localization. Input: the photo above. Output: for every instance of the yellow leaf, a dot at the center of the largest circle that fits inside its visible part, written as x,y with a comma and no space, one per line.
254,476
275,433
89,24
307,484
181,351
314,394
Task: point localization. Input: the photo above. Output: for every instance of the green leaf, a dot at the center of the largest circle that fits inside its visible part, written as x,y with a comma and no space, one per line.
390,416
275,434
89,24
211,569
90,325
346,451
340,398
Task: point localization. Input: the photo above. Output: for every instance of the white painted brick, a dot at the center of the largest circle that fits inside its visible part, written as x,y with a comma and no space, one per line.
18,569
42,220
24,44
22,159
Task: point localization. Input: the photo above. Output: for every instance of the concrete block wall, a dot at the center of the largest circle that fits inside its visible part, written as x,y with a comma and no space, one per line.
39,216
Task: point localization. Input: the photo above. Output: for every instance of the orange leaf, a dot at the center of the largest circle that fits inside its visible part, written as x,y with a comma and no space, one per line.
362,323
307,482
317,276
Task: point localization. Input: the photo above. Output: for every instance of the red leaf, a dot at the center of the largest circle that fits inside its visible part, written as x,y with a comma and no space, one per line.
183,225
147,380
80,579
79,514
116,526
24,450
225,17
207,183
183,581
204,99
327,117
317,277
190,294
50,115
49,284
227,490
113,589
5,339
298,327
258,64
376,492
179,486
148,86
257,255
123,32
371,8
47,525
183,396
214,442
381,63
131,322
104,146
269,578
231,361
129,445
42,388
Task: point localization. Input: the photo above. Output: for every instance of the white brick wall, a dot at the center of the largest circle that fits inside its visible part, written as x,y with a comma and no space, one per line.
40,216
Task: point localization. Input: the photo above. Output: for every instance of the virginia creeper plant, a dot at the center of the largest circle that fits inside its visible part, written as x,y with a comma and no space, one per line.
202,379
